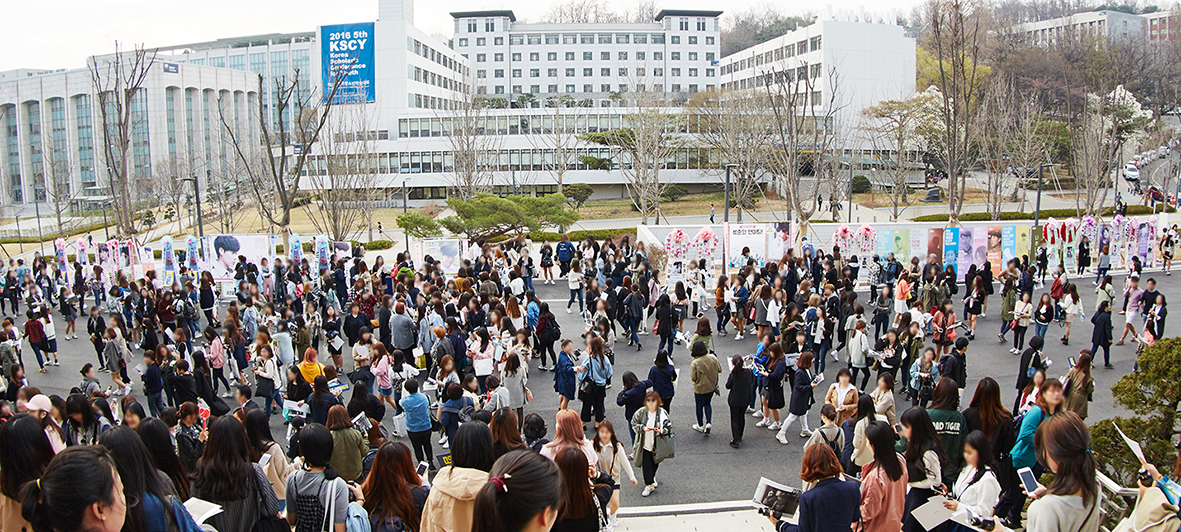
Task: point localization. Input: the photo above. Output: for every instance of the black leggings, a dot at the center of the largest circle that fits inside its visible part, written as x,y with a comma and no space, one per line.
209,319
649,466
421,441
1019,336
547,347
864,376
593,403
219,374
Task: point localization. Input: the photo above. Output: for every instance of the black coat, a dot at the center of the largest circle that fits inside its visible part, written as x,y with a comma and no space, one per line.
184,388
739,383
801,393
664,320
1030,358
1101,335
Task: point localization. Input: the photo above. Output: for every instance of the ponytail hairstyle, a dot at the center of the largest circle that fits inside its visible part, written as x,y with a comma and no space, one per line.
75,479
1063,437
522,484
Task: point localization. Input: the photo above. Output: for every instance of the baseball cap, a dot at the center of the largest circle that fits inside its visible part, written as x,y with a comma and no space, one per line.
39,403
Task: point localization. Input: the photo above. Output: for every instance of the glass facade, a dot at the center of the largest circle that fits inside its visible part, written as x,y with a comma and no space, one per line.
83,120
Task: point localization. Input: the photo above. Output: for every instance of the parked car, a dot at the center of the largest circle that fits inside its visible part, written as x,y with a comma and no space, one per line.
1131,173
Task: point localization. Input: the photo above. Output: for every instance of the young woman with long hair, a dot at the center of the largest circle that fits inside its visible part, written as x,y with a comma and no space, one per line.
1071,501
924,462
393,489
1049,404
883,484
226,476
524,494
977,489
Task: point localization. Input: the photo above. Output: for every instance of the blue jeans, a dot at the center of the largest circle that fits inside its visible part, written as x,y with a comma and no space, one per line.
723,316
99,298
155,405
704,407
528,282
819,350
1106,353
573,293
37,351
1100,273
633,326
667,339
270,402
1041,330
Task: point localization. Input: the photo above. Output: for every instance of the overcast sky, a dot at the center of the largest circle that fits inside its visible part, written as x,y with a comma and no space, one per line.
62,33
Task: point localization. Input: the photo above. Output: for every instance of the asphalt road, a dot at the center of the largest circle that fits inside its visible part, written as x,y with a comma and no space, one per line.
706,468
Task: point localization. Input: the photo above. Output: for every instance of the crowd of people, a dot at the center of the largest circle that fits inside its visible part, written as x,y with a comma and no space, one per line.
447,358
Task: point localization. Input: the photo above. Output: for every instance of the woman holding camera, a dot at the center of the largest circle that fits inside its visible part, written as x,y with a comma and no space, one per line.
831,504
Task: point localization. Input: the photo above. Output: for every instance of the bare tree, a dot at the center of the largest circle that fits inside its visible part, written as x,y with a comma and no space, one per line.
57,182
639,149
559,135
166,183
737,126
957,36
805,102
1026,143
344,172
996,122
582,12
1097,137
893,127
475,147
117,81
227,192
300,118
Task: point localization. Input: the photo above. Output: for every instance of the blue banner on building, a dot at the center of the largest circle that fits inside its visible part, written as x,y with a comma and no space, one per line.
346,53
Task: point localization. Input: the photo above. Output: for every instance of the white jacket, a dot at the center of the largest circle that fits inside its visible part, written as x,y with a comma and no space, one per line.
979,497
858,350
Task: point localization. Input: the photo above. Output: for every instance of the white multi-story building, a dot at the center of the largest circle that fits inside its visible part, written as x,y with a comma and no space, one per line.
1114,25
864,60
676,54
52,135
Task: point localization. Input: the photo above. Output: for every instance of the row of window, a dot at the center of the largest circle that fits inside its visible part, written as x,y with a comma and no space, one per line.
539,160
623,72
424,50
601,38
778,54
431,78
590,56
588,87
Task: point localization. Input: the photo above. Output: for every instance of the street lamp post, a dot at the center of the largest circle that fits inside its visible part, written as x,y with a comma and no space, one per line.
197,199
726,198
850,213
405,199
37,209
1037,212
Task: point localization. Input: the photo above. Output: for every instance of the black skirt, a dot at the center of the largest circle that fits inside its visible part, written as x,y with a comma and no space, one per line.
774,397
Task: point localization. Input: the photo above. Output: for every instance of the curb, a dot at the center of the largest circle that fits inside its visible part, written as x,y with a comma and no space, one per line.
685,509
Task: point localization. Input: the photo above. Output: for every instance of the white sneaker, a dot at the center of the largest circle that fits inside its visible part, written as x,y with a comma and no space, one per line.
782,439
567,310
774,426
751,409
763,423
698,428
805,434
708,427
127,390
443,440
757,414
648,490
614,521
835,357
737,337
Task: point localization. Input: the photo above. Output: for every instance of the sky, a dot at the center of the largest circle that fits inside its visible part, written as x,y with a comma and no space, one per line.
63,33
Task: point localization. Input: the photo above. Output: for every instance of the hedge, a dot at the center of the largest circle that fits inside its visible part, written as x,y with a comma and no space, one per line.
377,245
1133,210
597,234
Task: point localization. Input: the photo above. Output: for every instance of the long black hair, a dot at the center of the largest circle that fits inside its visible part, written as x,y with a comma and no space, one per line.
258,433
223,472
471,447
157,439
532,484
923,438
881,439
138,471
978,441
75,479
26,453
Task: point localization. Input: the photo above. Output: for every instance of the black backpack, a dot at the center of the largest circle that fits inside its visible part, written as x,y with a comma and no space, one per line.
553,331
832,444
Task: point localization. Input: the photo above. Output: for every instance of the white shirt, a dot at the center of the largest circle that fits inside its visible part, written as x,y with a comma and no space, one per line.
980,497
649,435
